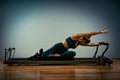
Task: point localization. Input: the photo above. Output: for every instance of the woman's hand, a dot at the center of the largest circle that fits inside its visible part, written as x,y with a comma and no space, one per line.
104,31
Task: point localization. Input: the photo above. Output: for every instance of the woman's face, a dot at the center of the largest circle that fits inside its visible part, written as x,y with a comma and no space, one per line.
85,40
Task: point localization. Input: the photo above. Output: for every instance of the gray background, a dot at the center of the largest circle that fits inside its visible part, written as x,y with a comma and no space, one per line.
29,25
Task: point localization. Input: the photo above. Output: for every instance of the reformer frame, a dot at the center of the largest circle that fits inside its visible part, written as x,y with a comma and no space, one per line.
100,60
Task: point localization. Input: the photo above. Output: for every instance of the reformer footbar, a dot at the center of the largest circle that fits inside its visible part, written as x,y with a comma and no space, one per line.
100,60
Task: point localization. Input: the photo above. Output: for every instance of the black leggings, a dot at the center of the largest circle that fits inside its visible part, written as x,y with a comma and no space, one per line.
60,49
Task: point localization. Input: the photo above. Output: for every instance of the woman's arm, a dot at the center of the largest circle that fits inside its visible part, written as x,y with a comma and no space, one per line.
91,44
95,33
95,44
77,36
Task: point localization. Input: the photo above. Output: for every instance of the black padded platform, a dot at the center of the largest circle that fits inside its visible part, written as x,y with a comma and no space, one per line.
58,62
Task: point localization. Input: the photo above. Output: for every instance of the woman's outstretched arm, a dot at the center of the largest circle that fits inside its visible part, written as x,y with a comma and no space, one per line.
77,36
91,44
95,44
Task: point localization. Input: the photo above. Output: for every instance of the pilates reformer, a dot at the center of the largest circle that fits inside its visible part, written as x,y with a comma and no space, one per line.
100,60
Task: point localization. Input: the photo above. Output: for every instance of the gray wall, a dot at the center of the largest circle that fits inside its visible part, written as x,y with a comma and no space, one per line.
29,26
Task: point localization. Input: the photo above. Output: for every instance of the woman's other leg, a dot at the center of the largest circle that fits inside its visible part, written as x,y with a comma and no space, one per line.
52,50
68,54
48,52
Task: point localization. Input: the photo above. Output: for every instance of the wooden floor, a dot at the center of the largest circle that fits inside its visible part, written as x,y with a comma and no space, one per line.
61,72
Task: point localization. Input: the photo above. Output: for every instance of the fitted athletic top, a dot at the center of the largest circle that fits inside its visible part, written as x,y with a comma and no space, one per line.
71,42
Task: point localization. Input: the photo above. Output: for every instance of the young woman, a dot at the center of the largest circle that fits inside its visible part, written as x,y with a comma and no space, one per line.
61,48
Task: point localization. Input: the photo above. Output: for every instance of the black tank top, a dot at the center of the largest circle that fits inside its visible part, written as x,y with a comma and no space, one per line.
71,42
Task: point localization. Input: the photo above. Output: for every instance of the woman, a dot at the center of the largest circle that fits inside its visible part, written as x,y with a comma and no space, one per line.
61,49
